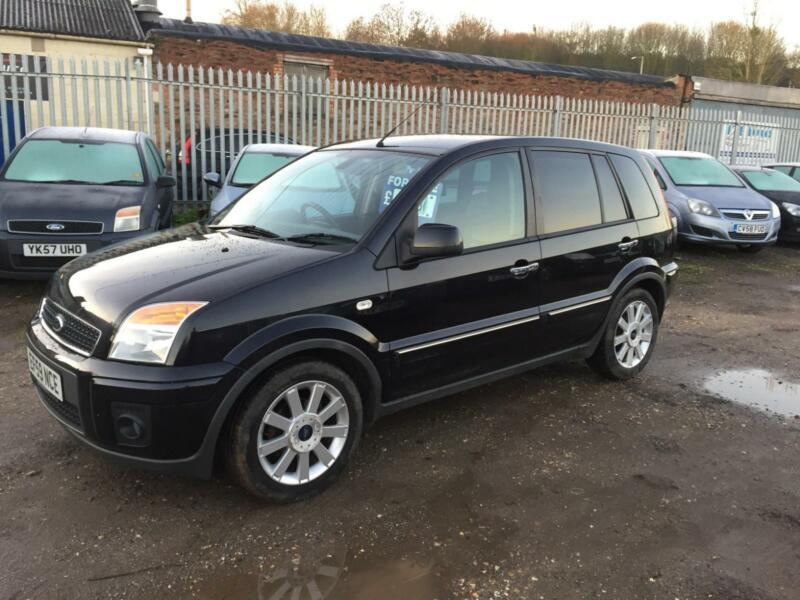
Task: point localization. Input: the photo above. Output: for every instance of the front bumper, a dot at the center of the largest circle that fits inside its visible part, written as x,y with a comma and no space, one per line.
175,405
14,265
716,230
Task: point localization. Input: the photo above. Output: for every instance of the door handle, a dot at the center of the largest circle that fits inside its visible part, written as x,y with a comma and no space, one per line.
523,270
628,246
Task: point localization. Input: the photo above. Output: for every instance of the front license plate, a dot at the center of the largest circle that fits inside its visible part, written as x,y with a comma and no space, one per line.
47,377
749,228
53,249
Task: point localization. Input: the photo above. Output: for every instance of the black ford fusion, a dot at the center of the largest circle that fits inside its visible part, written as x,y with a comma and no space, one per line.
783,191
66,191
356,281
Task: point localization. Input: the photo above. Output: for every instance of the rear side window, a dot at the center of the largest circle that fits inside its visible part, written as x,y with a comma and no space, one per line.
640,196
613,204
661,183
565,184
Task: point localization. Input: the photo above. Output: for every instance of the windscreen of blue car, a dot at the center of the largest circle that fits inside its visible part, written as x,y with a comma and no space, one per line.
254,166
58,161
699,171
771,181
333,192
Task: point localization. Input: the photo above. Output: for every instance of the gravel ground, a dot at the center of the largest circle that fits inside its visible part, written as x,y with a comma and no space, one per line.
554,484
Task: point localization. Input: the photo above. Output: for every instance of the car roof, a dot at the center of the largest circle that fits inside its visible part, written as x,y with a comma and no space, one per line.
93,134
441,144
292,149
784,164
743,168
679,153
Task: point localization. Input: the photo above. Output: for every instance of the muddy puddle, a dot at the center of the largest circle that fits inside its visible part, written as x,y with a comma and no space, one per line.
758,389
338,575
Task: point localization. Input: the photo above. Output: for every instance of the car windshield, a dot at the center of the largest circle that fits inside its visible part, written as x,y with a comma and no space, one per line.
699,171
67,161
771,181
332,196
254,166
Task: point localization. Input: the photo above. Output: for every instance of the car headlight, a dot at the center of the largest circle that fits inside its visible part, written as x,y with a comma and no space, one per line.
792,209
147,334
127,219
701,207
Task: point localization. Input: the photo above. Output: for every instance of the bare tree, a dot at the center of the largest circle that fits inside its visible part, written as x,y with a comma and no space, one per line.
286,17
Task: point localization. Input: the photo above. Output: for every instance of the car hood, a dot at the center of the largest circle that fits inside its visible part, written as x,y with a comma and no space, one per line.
187,263
65,202
226,195
779,196
727,197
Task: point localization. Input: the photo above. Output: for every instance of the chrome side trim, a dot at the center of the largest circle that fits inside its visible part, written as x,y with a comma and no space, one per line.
467,335
581,305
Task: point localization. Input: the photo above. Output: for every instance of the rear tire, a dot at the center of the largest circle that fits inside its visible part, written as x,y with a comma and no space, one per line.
293,437
629,337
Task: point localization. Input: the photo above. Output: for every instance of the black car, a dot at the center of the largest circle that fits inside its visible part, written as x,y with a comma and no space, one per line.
66,191
356,281
783,190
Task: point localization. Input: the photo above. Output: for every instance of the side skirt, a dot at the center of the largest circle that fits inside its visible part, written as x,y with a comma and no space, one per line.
394,406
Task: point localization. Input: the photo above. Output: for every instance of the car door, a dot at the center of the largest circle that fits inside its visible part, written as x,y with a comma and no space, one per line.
463,316
587,236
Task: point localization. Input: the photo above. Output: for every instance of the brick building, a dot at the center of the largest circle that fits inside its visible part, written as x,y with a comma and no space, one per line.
226,46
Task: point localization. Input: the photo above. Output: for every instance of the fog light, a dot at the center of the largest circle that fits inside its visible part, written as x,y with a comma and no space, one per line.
131,423
130,427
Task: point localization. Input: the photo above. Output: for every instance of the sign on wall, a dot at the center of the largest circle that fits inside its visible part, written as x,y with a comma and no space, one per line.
753,143
20,63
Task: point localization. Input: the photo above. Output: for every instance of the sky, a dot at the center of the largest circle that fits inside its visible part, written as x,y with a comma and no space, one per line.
522,16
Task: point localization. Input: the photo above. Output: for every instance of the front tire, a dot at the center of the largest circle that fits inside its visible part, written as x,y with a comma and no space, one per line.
293,437
629,338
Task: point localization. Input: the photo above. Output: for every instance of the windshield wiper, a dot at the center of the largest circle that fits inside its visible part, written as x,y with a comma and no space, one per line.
254,229
121,182
321,238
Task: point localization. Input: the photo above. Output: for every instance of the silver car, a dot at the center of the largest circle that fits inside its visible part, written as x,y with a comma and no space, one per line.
254,163
711,204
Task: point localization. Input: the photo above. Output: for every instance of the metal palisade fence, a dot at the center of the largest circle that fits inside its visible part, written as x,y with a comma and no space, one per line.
200,117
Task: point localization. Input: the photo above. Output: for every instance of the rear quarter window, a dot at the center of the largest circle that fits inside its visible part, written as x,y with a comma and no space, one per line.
640,196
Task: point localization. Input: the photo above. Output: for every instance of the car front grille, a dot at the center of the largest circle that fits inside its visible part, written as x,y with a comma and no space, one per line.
66,412
47,227
739,215
72,332
748,236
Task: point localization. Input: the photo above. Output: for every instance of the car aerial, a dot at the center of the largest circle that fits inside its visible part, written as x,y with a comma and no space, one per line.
254,163
358,280
711,204
791,169
783,190
66,191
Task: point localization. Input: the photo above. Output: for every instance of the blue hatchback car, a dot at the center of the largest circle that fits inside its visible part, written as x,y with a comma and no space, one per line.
711,204
254,163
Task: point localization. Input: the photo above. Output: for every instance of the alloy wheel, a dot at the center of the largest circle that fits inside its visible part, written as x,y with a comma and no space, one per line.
303,432
633,334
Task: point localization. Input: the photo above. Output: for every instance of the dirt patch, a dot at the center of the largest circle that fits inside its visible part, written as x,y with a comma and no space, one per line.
553,484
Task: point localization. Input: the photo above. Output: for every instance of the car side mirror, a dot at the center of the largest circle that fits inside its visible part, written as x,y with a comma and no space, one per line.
165,181
213,179
435,240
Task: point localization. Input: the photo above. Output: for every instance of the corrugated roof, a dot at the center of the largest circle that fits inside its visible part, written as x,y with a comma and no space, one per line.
105,19
306,43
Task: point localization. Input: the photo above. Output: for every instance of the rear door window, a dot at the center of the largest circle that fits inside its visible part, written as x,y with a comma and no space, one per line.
613,202
565,185
640,196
